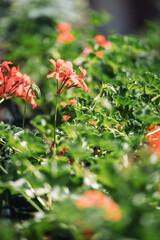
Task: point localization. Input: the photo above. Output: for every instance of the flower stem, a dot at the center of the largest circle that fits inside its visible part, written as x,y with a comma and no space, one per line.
13,148
55,120
31,202
2,100
25,107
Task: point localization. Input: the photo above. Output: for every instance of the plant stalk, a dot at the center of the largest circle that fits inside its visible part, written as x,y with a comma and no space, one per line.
25,107
55,121
31,202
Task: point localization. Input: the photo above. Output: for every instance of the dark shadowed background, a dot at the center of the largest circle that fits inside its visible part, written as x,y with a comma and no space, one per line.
128,15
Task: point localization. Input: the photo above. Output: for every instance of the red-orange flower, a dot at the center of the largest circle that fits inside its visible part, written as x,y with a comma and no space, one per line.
153,138
93,123
63,27
65,37
95,198
15,84
101,40
107,45
62,152
73,101
65,74
5,64
63,104
99,54
66,118
81,79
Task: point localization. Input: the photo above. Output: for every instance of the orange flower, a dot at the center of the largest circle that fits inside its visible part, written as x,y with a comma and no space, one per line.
63,104
93,123
95,198
66,118
5,64
153,138
67,77
73,101
100,39
81,79
65,37
16,84
107,45
99,54
63,27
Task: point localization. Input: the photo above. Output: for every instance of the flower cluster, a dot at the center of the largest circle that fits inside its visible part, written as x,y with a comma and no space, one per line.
15,84
153,138
67,77
72,102
95,198
101,40
64,35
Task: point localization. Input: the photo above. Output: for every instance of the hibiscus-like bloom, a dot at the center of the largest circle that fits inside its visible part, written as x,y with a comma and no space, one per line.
95,198
153,138
67,77
15,84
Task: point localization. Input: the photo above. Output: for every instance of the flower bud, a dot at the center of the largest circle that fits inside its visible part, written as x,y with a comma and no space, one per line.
36,90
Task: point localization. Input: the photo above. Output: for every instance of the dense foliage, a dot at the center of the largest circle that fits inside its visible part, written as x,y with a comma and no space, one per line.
101,180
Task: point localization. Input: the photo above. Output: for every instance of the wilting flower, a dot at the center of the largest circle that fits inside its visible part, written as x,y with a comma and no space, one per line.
67,77
95,198
15,84
88,233
63,27
66,118
65,37
62,152
153,138
73,101
101,40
